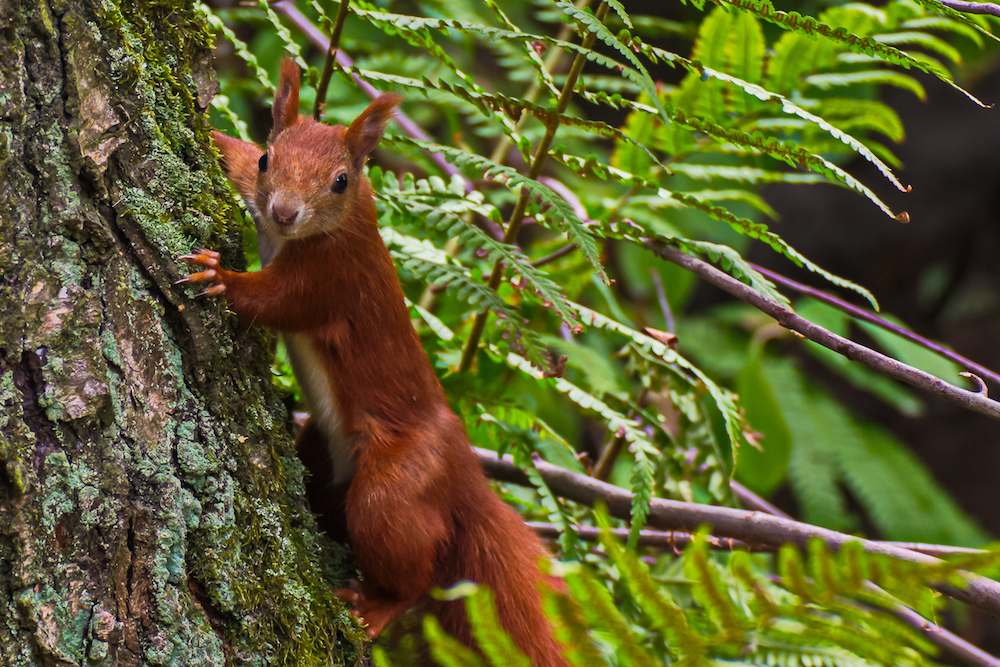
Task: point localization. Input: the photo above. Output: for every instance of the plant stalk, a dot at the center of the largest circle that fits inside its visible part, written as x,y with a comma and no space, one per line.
514,225
331,56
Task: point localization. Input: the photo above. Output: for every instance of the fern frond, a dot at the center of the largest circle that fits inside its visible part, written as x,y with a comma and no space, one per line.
748,175
639,75
724,400
435,266
710,591
446,650
867,77
565,219
529,53
568,538
437,205
600,610
685,642
639,445
924,40
493,641
807,25
957,27
286,37
941,8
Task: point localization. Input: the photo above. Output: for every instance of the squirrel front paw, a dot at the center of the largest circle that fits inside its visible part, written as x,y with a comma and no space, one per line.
210,260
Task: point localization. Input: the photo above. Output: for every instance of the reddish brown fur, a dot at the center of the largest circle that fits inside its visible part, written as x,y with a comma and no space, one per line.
419,512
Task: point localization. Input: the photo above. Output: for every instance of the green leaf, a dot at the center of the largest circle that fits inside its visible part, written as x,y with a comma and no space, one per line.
560,212
762,470
923,39
446,650
867,77
492,639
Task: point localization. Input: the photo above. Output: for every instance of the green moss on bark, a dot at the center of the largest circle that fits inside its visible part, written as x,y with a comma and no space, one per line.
151,507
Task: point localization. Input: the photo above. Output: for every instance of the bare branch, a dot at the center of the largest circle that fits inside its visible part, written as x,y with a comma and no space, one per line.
675,540
755,527
661,296
786,318
945,639
864,315
565,250
972,7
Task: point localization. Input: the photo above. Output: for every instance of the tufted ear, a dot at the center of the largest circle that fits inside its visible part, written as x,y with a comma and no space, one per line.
286,98
366,131
239,159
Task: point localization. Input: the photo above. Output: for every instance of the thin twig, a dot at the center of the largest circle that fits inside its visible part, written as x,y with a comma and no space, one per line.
935,633
753,501
938,550
661,296
674,540
331,55
405,123
549,64
972,7
945,639
565,250
864,315
749,526
514,225
786,318
606,462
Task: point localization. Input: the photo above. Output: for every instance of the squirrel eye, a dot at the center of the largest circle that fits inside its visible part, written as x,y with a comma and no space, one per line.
340,184
262,164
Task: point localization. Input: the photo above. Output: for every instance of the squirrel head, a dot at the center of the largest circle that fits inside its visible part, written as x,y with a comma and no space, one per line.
310,178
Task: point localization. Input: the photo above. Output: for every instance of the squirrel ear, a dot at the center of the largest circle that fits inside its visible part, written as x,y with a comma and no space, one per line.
286,99
366,131
239,159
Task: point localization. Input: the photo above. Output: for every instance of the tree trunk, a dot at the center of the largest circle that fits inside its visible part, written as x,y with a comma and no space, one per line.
151,505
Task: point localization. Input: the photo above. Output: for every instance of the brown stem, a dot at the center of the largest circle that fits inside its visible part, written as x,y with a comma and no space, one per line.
674,540
565,250
749,526
865,316
331,56
514,225
606,462
973,7
848,348
750,499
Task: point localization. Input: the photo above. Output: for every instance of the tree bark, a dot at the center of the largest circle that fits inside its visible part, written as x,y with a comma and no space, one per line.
151,504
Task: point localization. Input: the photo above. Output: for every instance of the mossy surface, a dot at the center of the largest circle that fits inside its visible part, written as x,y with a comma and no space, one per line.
151,505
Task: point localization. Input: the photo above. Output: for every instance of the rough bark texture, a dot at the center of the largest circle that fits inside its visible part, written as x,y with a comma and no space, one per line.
150,501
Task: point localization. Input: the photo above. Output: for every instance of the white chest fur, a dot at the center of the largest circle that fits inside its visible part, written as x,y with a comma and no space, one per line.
316,386
321,400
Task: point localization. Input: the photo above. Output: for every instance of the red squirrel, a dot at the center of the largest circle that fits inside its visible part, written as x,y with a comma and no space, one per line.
417,509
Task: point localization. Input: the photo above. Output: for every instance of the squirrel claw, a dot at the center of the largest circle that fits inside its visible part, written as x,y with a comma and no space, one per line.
214,290
208,258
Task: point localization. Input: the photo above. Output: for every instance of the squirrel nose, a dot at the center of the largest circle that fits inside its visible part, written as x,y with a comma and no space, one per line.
284,214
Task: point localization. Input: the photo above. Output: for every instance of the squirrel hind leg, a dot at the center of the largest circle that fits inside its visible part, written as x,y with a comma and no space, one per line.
326,499
371,606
